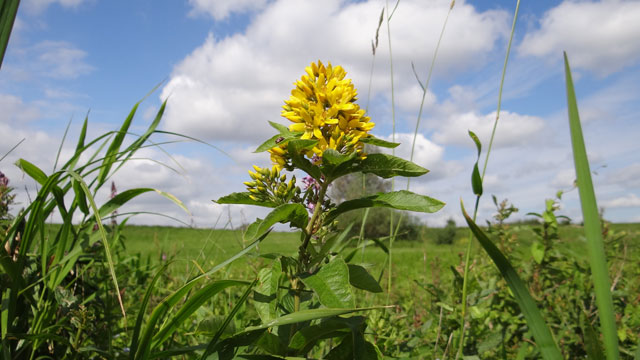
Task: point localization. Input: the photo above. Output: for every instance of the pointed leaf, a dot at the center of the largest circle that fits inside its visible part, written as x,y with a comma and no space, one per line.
296,214
379,142
123,197
307,315
304,340
280,139
591,218
194,302
476,140
537,325
33,171
476,181
388,166
243,198
400,200
360,278
265,293
331,284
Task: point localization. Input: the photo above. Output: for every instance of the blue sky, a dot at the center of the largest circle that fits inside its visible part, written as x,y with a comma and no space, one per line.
227,66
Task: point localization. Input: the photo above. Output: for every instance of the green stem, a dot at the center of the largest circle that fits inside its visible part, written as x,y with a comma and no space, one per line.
393,138
465,278
426,86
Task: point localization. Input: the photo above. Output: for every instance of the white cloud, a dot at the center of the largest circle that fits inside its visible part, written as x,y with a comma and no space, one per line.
48,59
220,9
513,129
38,6
228,88
61,60
627,177
630,200
14,110
564,179
600,36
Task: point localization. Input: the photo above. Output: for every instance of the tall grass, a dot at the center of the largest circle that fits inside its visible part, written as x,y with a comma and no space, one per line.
477,181
592,228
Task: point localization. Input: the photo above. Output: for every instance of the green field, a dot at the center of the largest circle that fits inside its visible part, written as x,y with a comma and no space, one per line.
412,260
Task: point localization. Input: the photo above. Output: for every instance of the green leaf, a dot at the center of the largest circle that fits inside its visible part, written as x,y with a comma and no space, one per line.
114,148
476,140
304,339
80,199
379,142
331,157
360,278
476,181
281,128
143,310
335,164
170,301
122,198
388,166
103,235
239,304
331,284
539,329
265,294
296,214
591,218
400,200
194,302
537,251
9,10
243,198
33,171
276,140
307,315
295,148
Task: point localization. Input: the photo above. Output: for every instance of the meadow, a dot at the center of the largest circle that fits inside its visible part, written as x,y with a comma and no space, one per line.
91,288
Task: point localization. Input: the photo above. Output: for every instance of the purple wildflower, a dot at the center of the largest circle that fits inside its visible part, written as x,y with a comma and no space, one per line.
4,181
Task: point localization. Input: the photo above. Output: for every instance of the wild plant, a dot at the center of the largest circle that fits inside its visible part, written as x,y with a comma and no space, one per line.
59,285
300,298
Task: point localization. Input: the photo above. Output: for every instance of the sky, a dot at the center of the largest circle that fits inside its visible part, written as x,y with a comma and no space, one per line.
225,68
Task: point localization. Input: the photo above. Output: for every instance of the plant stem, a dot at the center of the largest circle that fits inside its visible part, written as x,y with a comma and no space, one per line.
426,86
484,169
393,138
302,252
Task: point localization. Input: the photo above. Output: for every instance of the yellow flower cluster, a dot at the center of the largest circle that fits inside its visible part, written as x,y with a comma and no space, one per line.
322,105
270,185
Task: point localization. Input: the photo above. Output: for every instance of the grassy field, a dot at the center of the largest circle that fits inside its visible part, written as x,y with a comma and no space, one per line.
194,250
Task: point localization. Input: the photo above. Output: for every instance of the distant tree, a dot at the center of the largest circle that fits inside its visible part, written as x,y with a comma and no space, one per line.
448,234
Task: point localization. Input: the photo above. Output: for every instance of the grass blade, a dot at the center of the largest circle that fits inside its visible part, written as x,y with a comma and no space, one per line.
143,310
8,11
103,235
194,302
539,328
214,341
592,228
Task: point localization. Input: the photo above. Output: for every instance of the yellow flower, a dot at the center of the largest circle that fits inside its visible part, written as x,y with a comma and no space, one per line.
322,107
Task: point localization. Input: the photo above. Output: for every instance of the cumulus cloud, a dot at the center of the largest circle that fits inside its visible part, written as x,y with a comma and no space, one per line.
220,9
228,87
515,129
630,200
600,36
